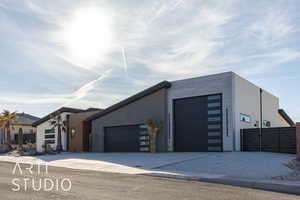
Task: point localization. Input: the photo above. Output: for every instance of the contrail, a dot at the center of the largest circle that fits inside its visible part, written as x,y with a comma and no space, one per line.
125,61
163,9
83,90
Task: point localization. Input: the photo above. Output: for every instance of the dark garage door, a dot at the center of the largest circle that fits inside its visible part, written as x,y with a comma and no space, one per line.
131,138
198,124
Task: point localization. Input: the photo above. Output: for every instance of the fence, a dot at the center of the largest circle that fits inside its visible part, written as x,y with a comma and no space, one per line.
281,140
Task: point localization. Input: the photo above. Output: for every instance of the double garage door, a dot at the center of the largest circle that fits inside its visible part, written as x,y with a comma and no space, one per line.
198,124
197,128
133,138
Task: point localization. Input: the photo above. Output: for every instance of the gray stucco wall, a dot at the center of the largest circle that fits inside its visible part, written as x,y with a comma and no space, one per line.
201,86
153,106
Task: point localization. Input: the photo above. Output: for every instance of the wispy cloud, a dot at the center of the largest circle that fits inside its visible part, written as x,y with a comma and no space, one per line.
151,41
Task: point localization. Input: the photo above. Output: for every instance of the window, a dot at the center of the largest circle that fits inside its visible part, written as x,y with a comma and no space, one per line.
267,123
213,112
214,119
214,141
144,149
214,126
217,104
50,141
49,136
213,134
245,118
50,131
214,97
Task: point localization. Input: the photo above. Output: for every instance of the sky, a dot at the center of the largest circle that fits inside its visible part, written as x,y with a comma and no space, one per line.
94,53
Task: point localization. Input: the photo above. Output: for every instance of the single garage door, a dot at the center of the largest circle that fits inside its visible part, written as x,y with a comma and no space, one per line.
132,138
198,124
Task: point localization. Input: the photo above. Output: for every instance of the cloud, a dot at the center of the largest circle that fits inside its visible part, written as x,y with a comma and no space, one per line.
152,41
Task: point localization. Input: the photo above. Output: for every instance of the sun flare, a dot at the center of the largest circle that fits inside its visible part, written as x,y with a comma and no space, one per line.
87,37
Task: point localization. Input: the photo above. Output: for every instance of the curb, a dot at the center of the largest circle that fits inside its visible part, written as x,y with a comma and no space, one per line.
287,187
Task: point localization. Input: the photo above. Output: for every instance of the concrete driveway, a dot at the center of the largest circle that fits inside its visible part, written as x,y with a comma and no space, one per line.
252,165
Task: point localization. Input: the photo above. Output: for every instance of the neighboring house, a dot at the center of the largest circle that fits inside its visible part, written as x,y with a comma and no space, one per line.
198,114
47,134
24,124
285,119
79,130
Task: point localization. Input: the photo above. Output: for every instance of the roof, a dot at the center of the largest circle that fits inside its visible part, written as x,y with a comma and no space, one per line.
161,85
93,109
61,110
286,117
26,119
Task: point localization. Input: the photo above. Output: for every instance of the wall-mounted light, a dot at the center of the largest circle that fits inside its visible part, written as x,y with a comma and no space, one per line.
73,132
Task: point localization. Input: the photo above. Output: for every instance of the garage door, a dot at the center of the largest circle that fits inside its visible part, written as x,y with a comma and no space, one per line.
198,124
133,138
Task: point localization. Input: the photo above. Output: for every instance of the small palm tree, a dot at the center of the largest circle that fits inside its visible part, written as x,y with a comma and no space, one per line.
61,125
8,119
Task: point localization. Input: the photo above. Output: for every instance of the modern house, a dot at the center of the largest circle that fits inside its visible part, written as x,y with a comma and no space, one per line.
197,115
74,135
46,134
79,130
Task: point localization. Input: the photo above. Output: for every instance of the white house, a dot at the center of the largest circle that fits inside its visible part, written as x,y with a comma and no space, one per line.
46,134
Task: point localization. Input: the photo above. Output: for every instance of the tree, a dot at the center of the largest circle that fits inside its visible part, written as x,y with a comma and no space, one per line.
154,127
61,125
8,119
1,128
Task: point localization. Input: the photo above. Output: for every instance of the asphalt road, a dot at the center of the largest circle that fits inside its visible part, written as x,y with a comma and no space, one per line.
97,185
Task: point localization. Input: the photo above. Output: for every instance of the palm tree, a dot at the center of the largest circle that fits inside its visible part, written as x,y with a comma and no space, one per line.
1,129
8,119
61,125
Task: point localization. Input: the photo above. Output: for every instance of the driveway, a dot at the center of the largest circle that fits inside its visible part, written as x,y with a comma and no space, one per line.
252,165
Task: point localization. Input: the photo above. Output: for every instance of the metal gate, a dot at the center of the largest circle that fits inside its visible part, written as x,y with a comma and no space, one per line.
281,139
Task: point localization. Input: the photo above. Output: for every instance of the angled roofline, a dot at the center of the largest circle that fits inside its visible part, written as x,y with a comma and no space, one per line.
146,92
286,117
61,110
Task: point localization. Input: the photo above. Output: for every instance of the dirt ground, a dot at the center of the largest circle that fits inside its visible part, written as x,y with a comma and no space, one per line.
295,175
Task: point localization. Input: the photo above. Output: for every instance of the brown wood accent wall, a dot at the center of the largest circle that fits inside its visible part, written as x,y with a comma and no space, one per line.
80,141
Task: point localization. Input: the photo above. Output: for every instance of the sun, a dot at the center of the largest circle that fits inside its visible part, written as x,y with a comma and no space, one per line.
88,36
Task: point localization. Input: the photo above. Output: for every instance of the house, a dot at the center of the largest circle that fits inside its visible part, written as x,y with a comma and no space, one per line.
24,125
196,115
46,134
79,130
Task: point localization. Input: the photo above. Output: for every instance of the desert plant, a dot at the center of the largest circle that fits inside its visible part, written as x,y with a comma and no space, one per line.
61,125
20,138
154,127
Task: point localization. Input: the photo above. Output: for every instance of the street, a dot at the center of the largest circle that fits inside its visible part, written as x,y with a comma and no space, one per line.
99,185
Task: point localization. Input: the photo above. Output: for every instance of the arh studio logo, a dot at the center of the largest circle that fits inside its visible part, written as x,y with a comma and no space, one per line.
36,178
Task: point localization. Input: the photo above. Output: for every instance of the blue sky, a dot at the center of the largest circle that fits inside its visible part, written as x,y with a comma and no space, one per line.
96,53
